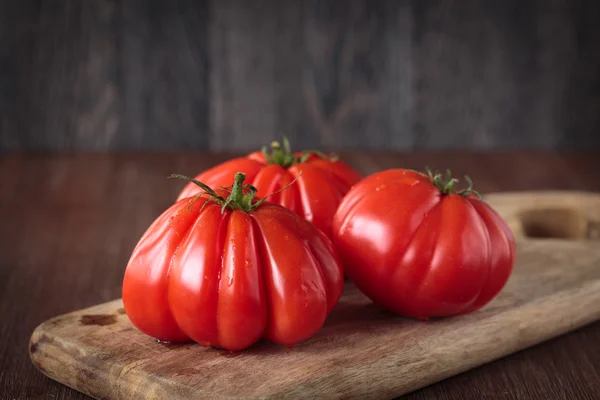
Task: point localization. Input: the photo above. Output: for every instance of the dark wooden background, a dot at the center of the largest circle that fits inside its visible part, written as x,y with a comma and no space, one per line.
215,74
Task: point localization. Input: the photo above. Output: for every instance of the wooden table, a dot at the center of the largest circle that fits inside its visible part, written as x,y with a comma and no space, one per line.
69,223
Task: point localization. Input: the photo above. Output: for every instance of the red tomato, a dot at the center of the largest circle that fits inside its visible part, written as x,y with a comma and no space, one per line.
225,275
416,246
315,196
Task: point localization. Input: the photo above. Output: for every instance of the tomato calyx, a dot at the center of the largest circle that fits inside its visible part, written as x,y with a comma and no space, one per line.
241,196
447,184
285,158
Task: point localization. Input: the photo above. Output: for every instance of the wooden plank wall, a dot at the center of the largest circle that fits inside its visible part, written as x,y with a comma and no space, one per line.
222,74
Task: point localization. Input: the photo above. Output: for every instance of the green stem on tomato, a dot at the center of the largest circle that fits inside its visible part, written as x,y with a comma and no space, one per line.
241,197
285,158
447,184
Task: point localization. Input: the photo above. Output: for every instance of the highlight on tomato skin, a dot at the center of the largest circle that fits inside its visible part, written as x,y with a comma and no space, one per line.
324,181
226,269
418,246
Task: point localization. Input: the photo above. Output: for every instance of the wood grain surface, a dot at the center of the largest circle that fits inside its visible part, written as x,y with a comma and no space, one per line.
362,352
70,222
223,74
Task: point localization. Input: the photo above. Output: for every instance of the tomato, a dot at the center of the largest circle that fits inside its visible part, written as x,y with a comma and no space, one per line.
415,245
322,180
225,272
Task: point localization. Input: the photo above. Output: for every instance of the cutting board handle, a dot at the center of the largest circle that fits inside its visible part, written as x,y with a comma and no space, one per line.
563,215
560,223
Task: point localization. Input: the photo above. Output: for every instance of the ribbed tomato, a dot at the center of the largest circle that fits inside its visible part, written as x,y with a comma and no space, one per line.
315,196
226,270
415,245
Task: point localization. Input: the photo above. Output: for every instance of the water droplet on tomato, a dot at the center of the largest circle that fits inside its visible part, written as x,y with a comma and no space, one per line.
304,291
229,281
248,263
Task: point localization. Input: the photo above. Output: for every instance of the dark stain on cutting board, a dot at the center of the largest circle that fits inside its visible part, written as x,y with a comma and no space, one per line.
98,319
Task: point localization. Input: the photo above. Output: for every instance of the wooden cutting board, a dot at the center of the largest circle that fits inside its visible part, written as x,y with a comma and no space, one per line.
362,351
